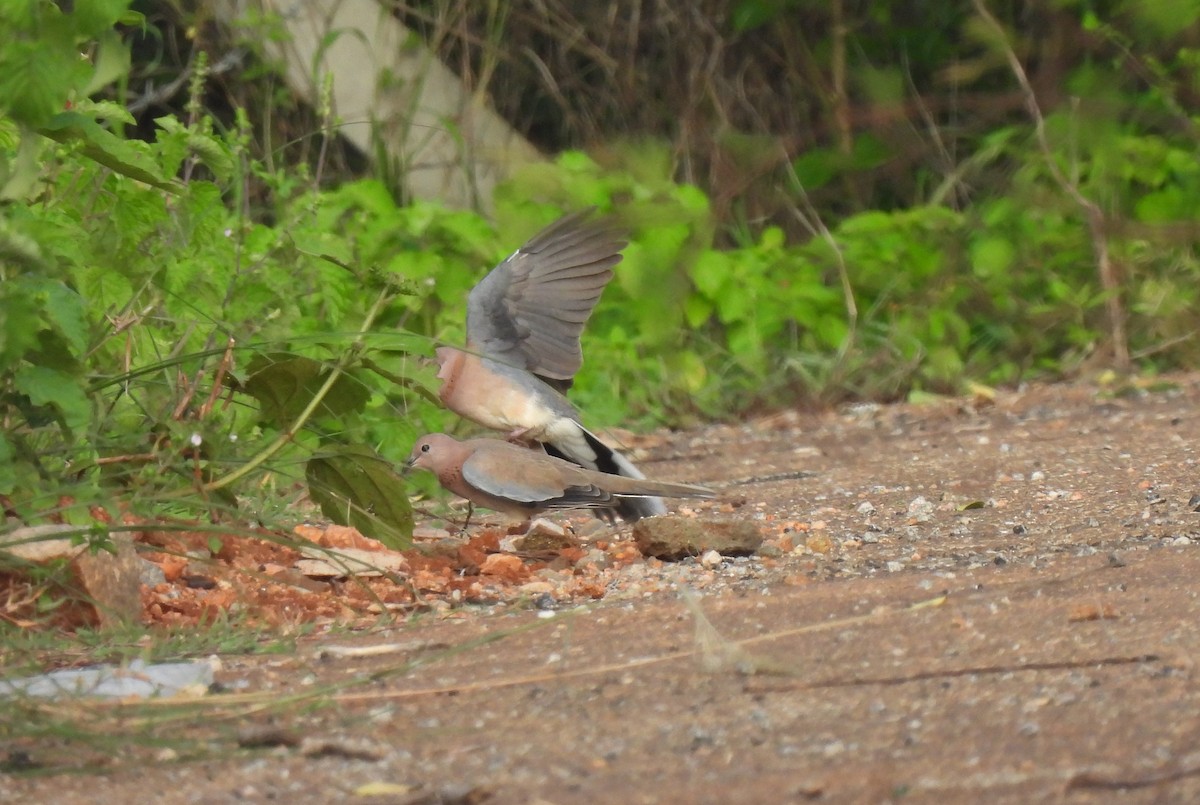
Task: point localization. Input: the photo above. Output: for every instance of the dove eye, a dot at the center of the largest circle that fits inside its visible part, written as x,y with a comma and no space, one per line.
424,448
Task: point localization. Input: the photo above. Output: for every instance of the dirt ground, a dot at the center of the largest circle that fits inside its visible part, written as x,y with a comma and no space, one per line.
963,601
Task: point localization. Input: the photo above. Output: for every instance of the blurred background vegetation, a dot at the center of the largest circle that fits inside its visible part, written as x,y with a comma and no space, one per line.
230,231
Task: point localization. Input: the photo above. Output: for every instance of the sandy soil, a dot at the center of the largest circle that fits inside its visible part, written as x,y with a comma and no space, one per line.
965,601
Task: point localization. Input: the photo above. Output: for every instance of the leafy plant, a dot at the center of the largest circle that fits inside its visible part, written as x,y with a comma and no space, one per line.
159,347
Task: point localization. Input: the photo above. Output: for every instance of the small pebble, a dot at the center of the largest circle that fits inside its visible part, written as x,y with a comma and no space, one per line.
920,509
711,560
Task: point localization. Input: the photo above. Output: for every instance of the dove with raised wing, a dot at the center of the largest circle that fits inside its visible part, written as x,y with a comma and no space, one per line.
524,320
521,481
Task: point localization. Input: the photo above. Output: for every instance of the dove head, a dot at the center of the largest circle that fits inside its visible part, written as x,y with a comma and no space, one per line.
434,451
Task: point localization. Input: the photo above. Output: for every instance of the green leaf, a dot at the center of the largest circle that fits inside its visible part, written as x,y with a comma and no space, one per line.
210,150
831,330
816,167
60,391
39,71
105,110
1168,204
112,62
284,385
8,471
357,487
325,245
19,175
19,323
711,273
107,148
17,247
992,256
64,310
868,152
94,16
697,310
104,289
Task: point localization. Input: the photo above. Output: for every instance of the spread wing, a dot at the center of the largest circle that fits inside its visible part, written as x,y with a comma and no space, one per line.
529,311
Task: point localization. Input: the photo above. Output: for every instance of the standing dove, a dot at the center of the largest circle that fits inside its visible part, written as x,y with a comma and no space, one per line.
521,482
524,320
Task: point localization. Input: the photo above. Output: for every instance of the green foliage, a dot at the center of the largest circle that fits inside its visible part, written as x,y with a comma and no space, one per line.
156,348
991,293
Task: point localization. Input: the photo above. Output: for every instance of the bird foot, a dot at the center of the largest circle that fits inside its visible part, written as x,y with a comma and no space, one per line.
519,436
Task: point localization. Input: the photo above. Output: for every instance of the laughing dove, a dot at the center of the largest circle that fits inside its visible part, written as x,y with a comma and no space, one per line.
523,325
521,482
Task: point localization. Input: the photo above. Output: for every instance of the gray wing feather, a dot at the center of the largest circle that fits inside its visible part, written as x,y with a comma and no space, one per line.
529,311
494,475
500,481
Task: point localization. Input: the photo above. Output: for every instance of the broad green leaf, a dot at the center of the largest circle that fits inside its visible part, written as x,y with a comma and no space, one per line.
1168,204
107,148
94,16
692,199
712,273
19,175
771,239
815,168
104,289
17,247
357,487
697,310
63,308
868,152
284,385
325,245
60,391
111,62
105,110
991,256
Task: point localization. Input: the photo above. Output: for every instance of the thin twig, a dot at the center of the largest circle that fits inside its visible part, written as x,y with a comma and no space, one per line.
222,369
810,218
